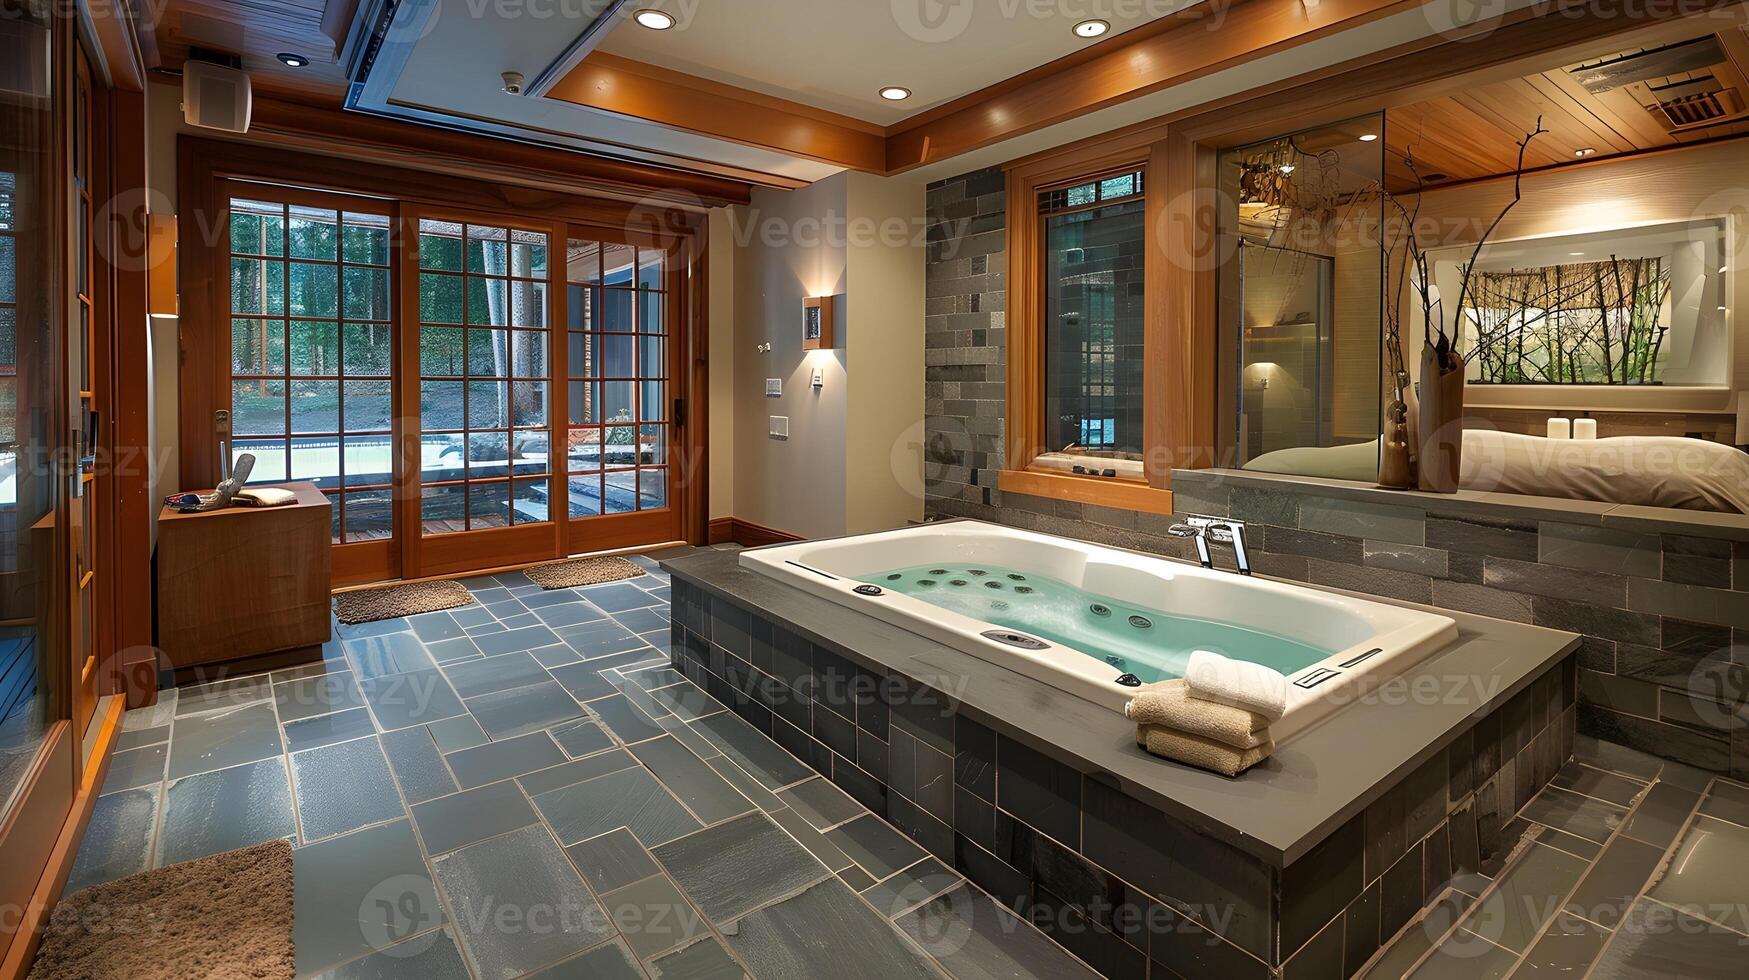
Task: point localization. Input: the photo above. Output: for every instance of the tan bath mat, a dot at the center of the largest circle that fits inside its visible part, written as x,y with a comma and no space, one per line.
581,571
227,915
395,601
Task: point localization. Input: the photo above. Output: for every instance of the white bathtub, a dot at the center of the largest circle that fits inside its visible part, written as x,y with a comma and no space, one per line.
1369,638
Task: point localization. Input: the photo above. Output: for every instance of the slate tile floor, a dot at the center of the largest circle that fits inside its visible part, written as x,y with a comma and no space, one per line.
523,787
1626,866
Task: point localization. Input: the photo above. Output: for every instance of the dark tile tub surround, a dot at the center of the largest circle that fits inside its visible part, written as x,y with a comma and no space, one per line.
1661,597
1132,863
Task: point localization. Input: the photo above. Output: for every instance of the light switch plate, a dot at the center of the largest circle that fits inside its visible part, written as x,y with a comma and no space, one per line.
774,387
780,427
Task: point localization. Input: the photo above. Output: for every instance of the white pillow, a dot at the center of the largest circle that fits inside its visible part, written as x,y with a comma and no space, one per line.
1650,471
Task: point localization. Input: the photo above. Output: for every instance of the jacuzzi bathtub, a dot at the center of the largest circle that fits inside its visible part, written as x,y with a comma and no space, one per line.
1350,638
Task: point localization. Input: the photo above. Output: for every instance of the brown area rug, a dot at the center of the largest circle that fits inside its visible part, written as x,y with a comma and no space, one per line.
395,601
227,915
581,571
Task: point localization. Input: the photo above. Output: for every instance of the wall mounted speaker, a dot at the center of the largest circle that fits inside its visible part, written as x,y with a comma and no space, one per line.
215,97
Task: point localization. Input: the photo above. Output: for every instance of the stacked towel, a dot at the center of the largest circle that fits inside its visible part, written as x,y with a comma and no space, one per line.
1217,718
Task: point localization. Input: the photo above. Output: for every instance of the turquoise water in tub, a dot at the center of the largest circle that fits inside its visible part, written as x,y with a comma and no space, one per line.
1150,644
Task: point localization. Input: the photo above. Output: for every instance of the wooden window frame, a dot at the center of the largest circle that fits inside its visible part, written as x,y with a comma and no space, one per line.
205,170
1180,152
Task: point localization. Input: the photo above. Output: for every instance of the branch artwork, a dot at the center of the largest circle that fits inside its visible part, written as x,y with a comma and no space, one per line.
1581,323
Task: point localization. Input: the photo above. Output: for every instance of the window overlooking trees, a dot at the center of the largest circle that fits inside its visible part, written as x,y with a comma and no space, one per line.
311,355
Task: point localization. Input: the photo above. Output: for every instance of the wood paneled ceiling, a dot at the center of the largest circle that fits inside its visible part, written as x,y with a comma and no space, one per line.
259,30
1630,101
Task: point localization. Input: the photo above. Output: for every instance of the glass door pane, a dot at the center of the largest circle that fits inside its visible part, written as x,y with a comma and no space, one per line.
312,355
617,372
484,385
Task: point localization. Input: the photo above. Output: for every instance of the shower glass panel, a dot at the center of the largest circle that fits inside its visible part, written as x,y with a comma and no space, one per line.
1301,302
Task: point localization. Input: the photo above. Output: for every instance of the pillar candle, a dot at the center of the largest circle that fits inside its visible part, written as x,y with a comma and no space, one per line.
1584,428
1560,429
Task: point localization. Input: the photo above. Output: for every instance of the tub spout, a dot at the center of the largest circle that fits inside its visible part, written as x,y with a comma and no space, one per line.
1202,529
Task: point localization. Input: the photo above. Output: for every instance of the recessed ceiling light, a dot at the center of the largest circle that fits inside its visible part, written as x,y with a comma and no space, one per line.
1368,137
655,20
895,93
1092,28
1584,151
290,60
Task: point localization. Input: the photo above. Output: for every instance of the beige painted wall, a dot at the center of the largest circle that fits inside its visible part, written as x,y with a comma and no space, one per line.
853,459
1697,182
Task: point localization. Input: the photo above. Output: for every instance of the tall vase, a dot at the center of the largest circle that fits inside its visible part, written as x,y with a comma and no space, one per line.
1394,472
1441,429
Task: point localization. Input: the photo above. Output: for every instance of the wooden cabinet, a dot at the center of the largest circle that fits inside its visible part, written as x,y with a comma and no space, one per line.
244,587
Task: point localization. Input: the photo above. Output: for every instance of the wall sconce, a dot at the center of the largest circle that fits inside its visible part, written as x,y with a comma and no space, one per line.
817,323
161,266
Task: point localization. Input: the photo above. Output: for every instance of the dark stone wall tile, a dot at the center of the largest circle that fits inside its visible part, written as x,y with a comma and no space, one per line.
1702,750
1500,538
1532,578
974,764
1039,790
1577,616
1316,888
1315,544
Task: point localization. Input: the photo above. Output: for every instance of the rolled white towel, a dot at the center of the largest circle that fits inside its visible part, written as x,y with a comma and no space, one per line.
1239,683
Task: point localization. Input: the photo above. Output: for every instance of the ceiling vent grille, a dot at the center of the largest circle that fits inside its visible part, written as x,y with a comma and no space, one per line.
1691,110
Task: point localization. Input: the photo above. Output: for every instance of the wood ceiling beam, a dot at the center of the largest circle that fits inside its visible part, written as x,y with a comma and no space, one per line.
697,105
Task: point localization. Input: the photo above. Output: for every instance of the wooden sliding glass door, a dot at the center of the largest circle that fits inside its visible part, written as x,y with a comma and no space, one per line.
471,389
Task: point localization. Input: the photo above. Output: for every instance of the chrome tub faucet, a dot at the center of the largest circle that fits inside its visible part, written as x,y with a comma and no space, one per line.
1222,530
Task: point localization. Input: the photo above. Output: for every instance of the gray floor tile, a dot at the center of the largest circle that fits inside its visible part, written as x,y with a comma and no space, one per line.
419,768
506,608
223,695
618,597
477,677
204,742
417,697
974,937
1658,941
752,751
378,627
501,760
1727,801
703,960
477,615
599,639
154,716
648,620
394,653
1528,894
550,597
224,810
141,737
118,840
875,846
521,710
1615,880
702,747
580,770
653,916
556,655
608,962
625,719
735,867
808,936
343,787
358,894
512,640
856,878
582,738
1579,815
1706,877
432,627
518,873
737,777
1606,786
910,887
568,613
612,860
823,804
1466,956
653,677
473,815
519,622
433,956
307,697
448,651
630,798
341,726
455,734
697,785
687,701
1661,814
135,767
1565,951
823,850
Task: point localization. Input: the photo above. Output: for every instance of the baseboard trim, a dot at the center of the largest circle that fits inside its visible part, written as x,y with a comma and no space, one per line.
724,530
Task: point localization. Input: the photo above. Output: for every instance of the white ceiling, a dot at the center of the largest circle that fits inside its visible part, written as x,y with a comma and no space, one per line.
837,54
